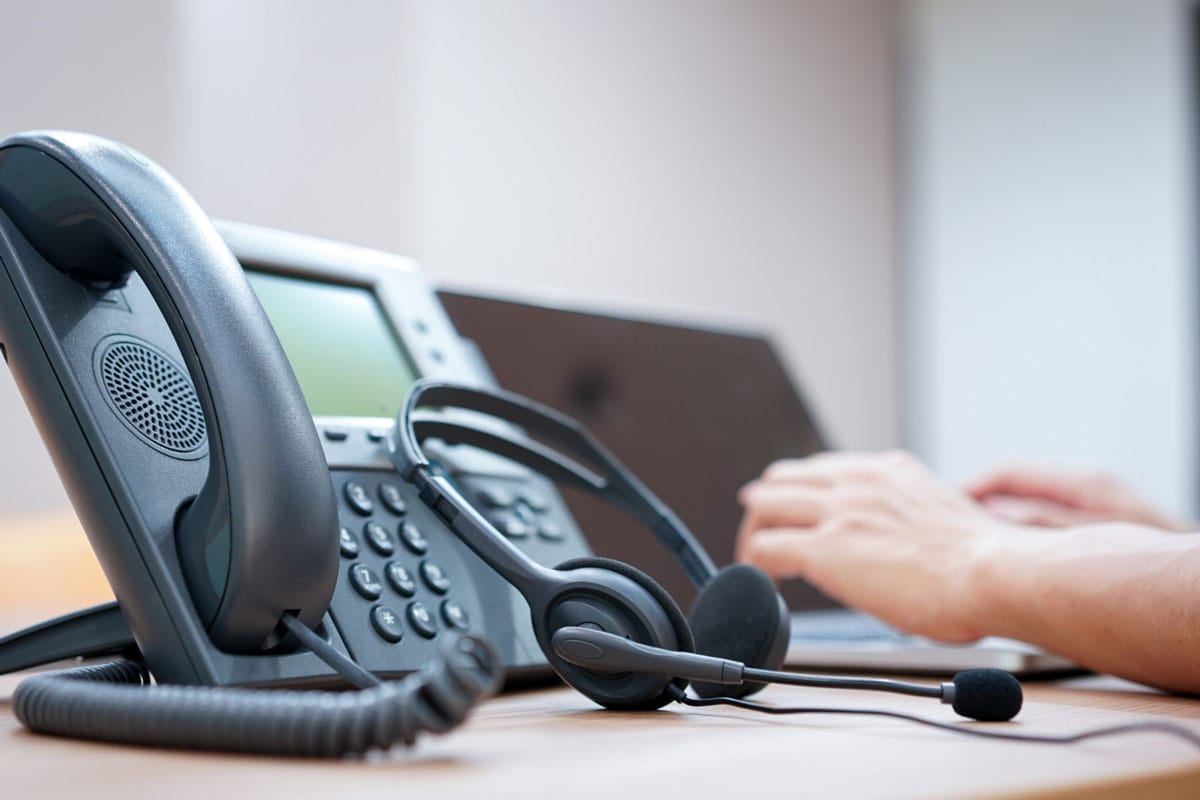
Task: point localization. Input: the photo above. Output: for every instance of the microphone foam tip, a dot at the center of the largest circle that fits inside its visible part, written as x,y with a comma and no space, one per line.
988,695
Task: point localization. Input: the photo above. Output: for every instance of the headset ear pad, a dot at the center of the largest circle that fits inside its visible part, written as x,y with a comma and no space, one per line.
739,615
683,634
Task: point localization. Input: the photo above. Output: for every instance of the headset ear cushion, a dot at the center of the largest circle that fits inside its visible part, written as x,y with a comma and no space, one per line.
739,615
683,633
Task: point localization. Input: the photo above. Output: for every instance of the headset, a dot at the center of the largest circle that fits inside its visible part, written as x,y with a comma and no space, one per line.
608,629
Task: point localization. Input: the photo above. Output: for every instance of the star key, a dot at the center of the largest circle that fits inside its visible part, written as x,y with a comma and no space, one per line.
387,623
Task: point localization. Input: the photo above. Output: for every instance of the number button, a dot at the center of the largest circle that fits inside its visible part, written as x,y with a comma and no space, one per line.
421,620
348,543
365,582
400,579
393,498
455,615
379,538
413,539
358,499
435,577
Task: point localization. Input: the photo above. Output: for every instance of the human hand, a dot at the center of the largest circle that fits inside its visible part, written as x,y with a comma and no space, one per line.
1056,498
877,532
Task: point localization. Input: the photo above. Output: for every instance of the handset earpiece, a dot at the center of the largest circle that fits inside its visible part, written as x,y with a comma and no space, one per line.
259,539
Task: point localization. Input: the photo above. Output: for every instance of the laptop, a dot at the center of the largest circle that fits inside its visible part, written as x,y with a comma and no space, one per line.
696,412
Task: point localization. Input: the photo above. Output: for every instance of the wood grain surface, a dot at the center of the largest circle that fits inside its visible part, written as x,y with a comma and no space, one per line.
552,742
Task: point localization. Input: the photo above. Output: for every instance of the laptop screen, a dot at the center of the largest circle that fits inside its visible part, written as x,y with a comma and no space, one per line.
694,412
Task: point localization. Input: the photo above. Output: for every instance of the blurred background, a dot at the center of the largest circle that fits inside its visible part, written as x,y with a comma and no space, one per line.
968,224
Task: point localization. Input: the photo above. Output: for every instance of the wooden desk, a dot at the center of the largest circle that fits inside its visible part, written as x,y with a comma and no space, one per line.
553,742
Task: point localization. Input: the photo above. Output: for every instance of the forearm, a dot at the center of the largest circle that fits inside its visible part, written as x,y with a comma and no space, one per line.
1116,598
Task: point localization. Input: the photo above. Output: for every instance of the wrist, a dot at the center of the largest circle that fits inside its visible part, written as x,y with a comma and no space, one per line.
999,578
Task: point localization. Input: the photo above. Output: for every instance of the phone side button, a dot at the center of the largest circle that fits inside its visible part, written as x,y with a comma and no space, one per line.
551,531
4,352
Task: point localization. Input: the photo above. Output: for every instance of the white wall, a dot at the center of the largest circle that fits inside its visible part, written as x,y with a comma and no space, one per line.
734,156
1051,310
103,68
731,156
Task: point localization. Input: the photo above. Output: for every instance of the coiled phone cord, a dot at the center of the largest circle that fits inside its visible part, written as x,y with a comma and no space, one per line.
115,702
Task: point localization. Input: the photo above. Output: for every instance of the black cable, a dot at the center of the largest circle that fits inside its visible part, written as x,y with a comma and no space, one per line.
348,669
1161,727
840,682
114,702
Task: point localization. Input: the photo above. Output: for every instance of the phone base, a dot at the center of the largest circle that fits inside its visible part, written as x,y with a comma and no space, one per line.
88,633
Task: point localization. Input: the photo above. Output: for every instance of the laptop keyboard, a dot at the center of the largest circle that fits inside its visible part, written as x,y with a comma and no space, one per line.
840,625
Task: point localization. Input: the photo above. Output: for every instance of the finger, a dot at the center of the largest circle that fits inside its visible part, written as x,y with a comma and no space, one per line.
1027,482
829,468
752,524
772,505
823,471
1034,511
780,552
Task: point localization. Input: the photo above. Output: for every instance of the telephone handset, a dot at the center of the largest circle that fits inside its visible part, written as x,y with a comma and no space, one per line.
253,539
187,447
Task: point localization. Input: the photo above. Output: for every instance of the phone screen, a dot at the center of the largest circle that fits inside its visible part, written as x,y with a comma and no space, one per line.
347,357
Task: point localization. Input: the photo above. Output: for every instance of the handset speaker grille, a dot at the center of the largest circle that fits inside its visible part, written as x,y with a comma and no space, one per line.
152,395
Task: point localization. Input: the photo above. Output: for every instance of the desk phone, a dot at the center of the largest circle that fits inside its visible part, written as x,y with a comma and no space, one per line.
217,402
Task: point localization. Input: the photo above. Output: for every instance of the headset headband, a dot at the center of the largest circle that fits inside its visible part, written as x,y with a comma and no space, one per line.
604,474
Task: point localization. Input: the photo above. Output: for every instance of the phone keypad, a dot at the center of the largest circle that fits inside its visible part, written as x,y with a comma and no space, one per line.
406,580
395,582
